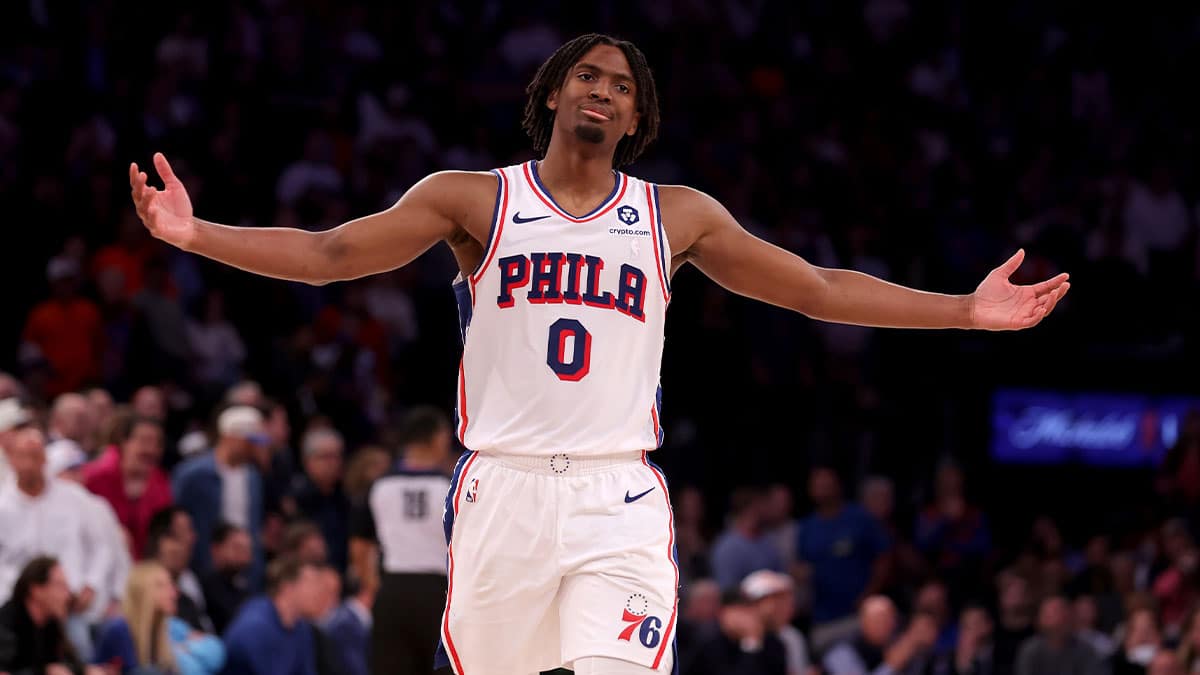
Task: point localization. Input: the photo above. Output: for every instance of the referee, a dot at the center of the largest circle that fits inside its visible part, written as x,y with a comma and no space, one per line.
399,528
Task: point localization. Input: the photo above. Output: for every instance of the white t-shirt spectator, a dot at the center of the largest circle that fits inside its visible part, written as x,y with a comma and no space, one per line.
235,495
63,522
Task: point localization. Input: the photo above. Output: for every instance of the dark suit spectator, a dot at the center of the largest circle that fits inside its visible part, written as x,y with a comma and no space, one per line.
226,585
739,644
318,493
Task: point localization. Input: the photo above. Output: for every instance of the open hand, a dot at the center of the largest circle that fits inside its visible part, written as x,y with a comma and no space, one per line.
167,213
998,304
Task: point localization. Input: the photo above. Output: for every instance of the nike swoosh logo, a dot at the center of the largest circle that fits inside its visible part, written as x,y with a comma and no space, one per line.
518,219
634,498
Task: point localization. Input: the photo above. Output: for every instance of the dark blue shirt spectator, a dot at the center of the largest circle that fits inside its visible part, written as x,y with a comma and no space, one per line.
259,642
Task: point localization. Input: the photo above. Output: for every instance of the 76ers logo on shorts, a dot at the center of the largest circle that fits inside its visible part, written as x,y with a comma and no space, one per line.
647,627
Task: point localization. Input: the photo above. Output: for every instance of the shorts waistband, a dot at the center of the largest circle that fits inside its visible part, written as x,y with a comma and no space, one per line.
565,464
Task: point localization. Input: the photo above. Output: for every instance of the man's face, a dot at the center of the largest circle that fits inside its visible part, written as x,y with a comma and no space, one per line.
598,101
144,447
235,554
172,554
1053,616
181,529
149,402
26,452
324,463
311,592
823,487
278,427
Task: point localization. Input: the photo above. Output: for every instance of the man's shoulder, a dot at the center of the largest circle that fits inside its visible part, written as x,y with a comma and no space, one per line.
204,465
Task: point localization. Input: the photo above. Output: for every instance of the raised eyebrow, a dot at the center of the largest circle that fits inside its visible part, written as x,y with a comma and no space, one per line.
616,75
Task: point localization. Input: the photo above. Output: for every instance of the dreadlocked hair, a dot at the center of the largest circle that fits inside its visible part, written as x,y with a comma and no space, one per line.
539,120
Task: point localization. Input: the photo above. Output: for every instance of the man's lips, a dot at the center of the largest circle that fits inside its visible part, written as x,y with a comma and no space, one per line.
597,115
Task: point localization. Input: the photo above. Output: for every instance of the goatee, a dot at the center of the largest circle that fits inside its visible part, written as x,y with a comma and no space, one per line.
589,133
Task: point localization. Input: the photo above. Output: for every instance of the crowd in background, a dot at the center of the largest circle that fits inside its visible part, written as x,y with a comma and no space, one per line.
921,142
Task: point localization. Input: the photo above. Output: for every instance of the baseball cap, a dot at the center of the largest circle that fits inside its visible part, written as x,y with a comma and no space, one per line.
243,421
13,414
762,583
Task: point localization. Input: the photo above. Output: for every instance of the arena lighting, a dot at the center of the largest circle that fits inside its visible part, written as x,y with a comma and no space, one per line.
1097,428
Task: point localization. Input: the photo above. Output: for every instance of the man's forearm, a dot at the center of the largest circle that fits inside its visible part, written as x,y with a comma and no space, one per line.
279,252
857,298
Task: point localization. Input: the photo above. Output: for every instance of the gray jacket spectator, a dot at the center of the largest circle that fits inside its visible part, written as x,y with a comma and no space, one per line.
1054,650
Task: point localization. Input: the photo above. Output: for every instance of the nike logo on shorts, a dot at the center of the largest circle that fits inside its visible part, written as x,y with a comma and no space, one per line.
518,219
630,500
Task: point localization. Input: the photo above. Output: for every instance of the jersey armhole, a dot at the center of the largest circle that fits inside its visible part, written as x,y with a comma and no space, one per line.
497,228
661,248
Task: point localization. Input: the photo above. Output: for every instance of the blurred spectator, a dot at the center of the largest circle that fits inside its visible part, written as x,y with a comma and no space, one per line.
691,539
774,595
973,652
303,539
270,635
216,345
366,466
227,585
318,494
1054,650
246,392
71,419
328,654
1084,616
65,331
128,477
1177,588
700,605
1015,621
31,623
1142,641
223,485
841,549
398,545
170,544
1156,221
740,645
349,628
51,517
160,336
952,533
902,563
1189,644
274,461
877,649
932,600
779,525
150,401
150,636
743,547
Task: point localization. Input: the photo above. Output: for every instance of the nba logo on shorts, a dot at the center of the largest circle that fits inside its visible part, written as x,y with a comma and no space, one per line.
473,491
647,627
627,214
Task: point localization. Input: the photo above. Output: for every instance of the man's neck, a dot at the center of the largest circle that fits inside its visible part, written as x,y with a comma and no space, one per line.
221,454
829,509
34,487
36,614
287,615
576,170
747,529
415,460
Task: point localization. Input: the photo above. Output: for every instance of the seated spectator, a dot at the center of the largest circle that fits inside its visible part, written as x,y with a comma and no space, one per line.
973,651
1142,641
128,476
303,539
149,636
318,493
774,596
270,635
740,643
31,623
1189,644
169,545
876,648
841,548
225,486
932,600
952,533
1054,650
700,605
1014,622
743,548
349,627
1085,615
226,586
330,656
40,516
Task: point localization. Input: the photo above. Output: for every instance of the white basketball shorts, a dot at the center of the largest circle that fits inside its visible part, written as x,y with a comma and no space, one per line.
552,559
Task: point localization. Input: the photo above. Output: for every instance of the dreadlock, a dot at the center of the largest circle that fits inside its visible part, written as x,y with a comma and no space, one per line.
539,120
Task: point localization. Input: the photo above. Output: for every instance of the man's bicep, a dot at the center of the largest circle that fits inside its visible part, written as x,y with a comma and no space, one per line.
429,212
744,264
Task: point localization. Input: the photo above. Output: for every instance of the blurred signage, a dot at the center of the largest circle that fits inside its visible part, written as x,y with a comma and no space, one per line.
1047,427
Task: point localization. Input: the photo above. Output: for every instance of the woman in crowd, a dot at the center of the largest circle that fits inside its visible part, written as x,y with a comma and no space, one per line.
149,638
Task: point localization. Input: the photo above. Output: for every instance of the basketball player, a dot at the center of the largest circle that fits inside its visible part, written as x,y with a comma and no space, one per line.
560,534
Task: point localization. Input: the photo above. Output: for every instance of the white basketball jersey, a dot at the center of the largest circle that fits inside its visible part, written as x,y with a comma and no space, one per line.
563,323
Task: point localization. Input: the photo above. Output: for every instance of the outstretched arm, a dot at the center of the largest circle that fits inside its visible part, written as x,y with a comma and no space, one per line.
716,244
434,209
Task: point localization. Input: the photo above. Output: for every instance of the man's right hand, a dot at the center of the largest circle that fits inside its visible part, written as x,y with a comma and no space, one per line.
167,213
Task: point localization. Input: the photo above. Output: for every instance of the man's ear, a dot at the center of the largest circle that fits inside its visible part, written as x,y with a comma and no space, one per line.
552,100
633,125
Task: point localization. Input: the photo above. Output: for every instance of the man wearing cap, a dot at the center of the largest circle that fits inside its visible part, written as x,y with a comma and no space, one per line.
224,485
774,596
